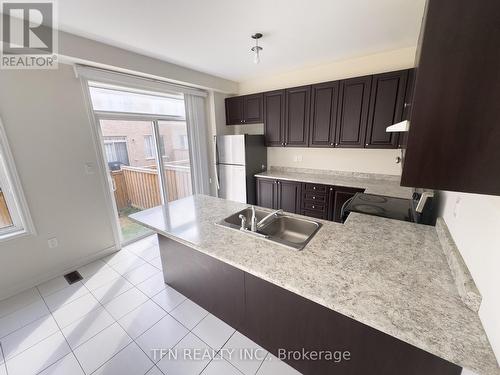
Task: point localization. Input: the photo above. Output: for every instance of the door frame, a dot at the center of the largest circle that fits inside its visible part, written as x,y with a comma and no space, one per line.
102,166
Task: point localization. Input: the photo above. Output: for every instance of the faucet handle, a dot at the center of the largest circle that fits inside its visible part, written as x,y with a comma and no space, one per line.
243,219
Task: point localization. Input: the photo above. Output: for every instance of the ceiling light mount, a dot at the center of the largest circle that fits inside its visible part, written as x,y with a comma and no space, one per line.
256,49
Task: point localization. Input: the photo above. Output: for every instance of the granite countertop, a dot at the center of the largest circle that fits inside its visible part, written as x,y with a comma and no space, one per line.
388,274
372,183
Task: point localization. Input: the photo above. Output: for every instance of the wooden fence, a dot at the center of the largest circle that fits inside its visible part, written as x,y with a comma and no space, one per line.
139,187
5,219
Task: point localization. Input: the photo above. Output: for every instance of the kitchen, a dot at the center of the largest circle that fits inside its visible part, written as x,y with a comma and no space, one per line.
342,215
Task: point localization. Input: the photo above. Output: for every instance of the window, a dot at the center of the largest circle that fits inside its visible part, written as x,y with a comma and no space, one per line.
116,151
182,142
14,215
109,98
149,146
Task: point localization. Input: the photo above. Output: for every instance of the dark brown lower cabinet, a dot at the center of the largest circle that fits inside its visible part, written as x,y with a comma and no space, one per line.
314,200
283,322
289,196
279,194
267,193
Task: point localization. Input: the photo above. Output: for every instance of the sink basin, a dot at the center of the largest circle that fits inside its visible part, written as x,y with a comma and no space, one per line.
286,230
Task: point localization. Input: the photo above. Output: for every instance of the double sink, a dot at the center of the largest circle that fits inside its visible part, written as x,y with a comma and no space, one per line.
280,228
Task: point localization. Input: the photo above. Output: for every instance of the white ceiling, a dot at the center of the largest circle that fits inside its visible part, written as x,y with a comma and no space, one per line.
213,36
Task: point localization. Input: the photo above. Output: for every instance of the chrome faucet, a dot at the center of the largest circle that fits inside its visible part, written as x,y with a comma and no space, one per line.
253,222
261,223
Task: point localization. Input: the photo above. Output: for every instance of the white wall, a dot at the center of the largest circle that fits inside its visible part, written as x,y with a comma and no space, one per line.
49,133
352,160
474,223
377,63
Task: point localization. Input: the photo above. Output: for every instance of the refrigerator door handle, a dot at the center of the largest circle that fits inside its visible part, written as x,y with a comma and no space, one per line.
217,180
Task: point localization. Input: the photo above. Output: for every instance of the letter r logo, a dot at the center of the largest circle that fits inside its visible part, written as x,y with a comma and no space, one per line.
27,28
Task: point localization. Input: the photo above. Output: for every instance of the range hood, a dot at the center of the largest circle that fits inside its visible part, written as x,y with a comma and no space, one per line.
402,126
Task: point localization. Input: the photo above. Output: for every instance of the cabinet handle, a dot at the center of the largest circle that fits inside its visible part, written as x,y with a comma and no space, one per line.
331,189
313,206
407,105
366,144
314,187
285,143
336,144
314,197
331,144
282,143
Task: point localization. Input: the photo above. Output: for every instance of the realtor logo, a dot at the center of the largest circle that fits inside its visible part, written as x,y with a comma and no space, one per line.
28,36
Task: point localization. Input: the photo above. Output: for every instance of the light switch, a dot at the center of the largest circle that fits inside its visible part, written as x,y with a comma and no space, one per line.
89,168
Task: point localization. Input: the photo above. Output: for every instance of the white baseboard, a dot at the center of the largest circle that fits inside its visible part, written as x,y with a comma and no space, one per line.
61,270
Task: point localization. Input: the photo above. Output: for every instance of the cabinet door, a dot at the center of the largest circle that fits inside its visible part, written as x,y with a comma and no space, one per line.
455,133
234,110
252,109
274,117
267,193
386,108
289,193
298,104
353,112
324,104
410,87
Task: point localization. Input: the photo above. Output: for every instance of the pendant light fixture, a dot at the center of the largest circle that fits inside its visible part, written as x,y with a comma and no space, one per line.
256,49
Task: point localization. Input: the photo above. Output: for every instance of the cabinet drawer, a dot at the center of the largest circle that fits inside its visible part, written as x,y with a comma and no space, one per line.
314,206
316,188
315,214
314,197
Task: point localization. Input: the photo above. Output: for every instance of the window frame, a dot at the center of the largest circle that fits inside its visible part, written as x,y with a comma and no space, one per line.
15,200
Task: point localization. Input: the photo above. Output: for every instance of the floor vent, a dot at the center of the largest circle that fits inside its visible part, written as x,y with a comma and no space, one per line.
73,277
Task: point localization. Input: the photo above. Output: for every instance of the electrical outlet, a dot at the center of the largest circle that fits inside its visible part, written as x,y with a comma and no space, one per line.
297,158
53,243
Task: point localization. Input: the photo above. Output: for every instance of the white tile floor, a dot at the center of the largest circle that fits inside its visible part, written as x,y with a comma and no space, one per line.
111,322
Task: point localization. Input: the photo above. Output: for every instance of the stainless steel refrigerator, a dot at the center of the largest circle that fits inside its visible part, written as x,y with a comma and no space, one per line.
239,158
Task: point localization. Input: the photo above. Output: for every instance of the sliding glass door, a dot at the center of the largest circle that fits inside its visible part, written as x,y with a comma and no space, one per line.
145,145
130,154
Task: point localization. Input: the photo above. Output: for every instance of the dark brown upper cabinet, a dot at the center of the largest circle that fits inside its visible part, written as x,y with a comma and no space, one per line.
324,104
274,118
454,136
298,105
234,110
243,110
386,108
252,109
353,112
410,87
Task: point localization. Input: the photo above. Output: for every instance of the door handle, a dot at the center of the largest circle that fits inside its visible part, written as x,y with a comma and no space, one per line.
113,184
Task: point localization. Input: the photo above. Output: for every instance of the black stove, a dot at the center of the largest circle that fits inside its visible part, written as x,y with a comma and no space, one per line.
389,207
